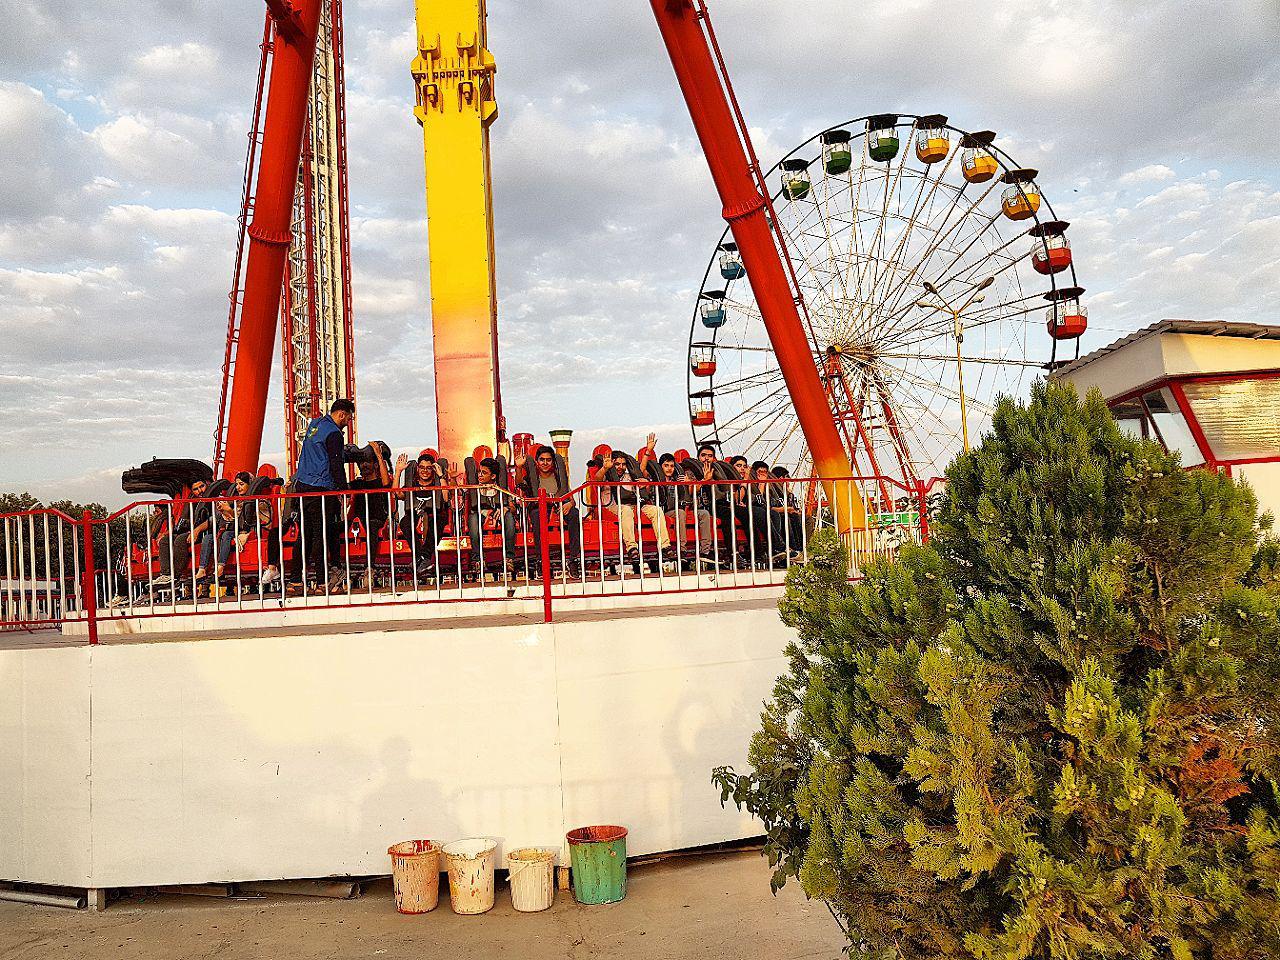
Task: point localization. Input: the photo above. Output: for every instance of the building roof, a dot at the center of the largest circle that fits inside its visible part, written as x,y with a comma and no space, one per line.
1207,328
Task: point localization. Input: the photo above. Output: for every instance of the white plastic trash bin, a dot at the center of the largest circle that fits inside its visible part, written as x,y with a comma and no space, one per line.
471,874
532,874
415,875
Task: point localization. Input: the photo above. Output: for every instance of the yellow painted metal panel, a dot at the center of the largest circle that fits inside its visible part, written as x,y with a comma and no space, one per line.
454,75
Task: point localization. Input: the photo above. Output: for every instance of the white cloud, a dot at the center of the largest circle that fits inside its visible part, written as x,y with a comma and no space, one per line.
1151,173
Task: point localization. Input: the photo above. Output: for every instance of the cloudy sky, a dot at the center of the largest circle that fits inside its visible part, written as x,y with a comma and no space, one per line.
122,126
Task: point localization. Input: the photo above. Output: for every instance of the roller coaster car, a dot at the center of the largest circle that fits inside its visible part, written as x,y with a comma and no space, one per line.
170,478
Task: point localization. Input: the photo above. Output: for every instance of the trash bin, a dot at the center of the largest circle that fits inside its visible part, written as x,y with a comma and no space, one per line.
471,874
598,858
415,875
532,874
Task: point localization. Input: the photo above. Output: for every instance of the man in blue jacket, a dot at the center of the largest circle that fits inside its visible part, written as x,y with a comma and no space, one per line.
322,468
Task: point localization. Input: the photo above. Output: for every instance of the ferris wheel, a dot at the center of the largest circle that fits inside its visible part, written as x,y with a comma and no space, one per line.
936,278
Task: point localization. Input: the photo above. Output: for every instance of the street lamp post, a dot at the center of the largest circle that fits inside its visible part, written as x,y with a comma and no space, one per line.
945,306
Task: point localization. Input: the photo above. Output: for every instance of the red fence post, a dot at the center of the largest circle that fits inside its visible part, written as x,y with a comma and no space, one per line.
88,579
546,556
924,512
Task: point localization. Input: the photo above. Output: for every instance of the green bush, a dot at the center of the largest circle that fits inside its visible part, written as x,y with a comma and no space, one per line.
1050,733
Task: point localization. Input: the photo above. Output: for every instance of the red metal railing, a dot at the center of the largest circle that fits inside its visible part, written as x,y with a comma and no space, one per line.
274,551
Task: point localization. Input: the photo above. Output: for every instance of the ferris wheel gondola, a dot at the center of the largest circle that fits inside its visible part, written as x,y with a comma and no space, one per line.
923,254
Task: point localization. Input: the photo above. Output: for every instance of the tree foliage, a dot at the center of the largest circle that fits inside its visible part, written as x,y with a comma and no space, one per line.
35,536
1050,733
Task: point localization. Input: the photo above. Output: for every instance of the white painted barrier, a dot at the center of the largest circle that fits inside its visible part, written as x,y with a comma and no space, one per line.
306,755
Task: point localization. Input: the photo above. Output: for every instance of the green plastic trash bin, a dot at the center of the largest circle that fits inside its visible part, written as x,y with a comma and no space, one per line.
598,858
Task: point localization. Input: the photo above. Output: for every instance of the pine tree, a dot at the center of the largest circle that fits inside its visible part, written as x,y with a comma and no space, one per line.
1052,732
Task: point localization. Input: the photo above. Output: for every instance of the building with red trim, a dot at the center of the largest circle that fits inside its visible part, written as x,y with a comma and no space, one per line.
1205,388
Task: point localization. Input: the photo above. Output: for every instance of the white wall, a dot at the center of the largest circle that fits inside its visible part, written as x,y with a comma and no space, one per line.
302,756
44,765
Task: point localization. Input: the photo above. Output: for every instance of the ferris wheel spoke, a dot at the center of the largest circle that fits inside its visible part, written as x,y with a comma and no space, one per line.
821,292
974,319
961,275
851,268
991,222
943,326
941,236
773,452
951,358
904,301
947,392
775,411
743,348
772,395
748,310
911,222
926,436
875,247
783,410
824,217
743,384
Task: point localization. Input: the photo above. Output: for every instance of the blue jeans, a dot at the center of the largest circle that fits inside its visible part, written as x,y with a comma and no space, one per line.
225,538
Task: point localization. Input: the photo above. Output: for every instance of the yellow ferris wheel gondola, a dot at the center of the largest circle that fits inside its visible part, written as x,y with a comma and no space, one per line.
933,140
1021,199
977,162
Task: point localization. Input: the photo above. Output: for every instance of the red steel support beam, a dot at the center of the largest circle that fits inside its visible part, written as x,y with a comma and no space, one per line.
292,63
745,209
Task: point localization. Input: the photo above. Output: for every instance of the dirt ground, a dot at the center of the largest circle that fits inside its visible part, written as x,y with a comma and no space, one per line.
711,908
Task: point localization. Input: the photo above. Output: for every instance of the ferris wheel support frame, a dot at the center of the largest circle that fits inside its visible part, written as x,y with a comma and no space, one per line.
726,142
834,371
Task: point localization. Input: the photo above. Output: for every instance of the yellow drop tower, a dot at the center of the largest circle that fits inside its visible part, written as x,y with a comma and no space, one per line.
454,76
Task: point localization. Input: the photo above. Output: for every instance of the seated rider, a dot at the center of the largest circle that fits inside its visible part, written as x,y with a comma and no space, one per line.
767,534
489,507
624,476
224,530
425,509
373,509
176,543
548,474
677,496
721,499
785,508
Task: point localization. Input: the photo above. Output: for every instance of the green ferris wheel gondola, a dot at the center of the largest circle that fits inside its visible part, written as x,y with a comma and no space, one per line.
795,178
883,142
837,155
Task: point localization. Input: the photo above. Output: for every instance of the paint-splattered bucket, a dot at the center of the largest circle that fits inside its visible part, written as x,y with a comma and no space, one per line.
532,872
598,856
415,875
471,874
